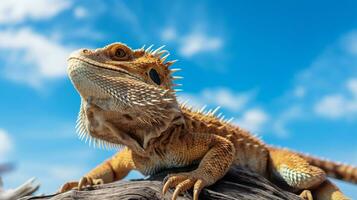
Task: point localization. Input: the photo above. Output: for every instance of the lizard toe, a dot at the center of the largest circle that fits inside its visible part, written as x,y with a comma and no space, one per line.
68,186
84,182
88,182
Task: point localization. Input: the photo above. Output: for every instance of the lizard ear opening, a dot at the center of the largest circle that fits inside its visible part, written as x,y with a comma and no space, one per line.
155,76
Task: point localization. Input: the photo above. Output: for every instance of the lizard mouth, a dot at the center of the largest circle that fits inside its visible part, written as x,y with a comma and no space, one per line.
97,65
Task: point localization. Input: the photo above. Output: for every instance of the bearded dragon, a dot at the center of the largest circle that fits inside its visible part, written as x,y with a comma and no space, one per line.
128,99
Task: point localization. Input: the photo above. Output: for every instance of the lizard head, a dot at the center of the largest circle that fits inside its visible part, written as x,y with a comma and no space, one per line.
135,84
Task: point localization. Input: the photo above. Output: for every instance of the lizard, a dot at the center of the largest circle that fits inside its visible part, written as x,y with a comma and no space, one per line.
128,101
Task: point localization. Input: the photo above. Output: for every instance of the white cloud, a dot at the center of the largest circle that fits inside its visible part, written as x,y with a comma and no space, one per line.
226,98
193,43
352,86
169,34
331,106
326,89
330,81
339,105
32,58
80,12
223,97
253,120
332,68
299,92
6,144
198,42
17,11
349,43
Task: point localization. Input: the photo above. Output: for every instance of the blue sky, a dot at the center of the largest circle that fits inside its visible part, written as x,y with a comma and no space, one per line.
285,70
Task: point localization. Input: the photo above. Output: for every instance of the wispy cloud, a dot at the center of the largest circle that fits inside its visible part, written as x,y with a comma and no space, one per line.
299,92
254,120
6,145
20,10
283,119
130,18
339,105
223,97
332,68
169,34
127,15
330,82
193,43
198,42
326,89
31,57
80,12
349,43
28,56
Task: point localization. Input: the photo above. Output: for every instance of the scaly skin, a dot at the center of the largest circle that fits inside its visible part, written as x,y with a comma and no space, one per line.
127,98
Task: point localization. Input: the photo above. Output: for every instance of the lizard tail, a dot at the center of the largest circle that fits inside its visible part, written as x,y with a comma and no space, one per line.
333,169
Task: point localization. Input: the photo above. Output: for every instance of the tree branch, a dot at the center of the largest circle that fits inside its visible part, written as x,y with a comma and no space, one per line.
237,184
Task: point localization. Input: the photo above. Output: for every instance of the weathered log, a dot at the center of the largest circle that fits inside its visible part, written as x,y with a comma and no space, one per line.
237,184
27,188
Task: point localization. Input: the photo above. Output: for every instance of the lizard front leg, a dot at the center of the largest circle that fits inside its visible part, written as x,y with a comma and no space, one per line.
111,170
218,155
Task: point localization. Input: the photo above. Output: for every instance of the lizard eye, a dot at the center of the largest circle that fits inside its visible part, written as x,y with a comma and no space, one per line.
154,76
120,53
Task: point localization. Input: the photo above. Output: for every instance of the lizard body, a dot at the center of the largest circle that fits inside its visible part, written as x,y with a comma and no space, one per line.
127,98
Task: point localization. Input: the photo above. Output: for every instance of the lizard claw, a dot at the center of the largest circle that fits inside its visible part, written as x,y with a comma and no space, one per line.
183,182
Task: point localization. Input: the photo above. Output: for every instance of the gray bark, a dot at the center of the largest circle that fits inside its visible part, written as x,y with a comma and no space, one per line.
237,184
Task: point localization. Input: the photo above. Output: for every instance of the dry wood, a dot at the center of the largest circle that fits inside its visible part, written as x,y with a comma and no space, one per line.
237,184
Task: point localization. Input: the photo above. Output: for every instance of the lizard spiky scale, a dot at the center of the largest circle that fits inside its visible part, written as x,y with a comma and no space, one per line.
123,105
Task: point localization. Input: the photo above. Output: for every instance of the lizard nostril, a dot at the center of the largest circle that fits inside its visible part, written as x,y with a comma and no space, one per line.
85,51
